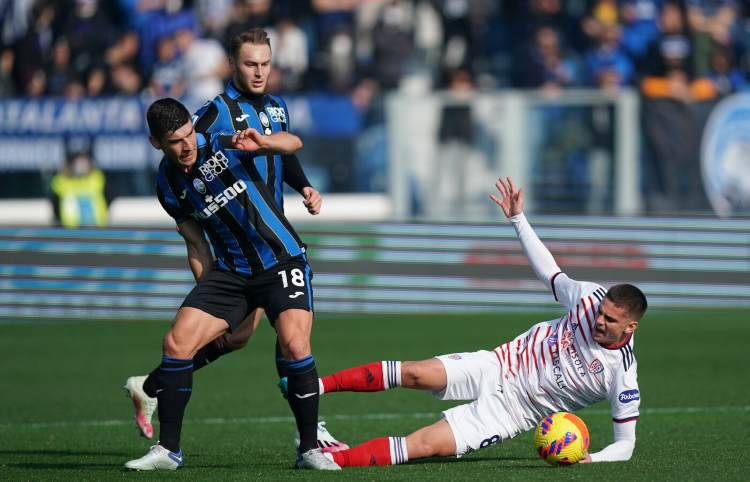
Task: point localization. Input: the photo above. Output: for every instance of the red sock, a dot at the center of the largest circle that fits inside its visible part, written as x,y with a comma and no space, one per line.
379,451
364,378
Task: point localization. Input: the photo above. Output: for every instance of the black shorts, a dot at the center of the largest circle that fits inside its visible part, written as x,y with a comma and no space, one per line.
232,297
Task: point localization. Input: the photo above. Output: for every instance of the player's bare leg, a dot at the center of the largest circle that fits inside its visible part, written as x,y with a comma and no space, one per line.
145,404
434,440
294,327
172,382
383,375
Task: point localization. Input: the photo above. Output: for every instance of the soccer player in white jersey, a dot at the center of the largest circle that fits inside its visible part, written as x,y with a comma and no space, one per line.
565,364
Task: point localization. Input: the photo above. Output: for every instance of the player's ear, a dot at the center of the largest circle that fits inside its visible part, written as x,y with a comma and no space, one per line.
632,326
154,142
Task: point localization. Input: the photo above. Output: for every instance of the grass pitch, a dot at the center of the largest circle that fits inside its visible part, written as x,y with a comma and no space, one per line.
64,415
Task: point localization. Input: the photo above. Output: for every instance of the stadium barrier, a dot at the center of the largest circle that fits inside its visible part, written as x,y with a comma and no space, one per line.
392,268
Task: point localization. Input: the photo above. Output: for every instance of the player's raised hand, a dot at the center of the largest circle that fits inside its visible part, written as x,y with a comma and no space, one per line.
248,140
510,200
313,200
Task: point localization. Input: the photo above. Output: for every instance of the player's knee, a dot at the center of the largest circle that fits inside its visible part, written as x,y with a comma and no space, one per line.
295,348
420,447
173,348
414,374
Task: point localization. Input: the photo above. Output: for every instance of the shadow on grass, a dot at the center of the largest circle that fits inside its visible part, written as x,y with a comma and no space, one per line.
72,465
501,461
65,453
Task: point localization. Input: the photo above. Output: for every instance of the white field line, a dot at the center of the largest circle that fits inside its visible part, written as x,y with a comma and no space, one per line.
346,417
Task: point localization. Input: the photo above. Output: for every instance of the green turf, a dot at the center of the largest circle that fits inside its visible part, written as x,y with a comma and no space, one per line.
64,415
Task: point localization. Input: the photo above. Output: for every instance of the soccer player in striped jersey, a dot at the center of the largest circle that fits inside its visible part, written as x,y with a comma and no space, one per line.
245,105
564,364
213,188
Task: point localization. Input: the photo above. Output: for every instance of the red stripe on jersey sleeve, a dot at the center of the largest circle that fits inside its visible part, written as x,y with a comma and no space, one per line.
533,349
593,313
580,327
586,314
625,420
498,356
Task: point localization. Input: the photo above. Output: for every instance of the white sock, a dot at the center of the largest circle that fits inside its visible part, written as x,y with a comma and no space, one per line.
391,374
399,454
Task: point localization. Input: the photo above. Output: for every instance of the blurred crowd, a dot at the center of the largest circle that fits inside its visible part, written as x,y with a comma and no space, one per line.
689,49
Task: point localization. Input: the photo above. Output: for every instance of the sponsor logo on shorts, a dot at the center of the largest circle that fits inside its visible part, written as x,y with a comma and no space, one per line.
454,357
629,396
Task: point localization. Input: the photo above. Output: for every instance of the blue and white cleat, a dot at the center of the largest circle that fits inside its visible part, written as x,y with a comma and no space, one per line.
157,458
143,405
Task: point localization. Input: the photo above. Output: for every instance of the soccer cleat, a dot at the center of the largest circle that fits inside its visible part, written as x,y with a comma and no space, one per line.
326,442
143,404
284,387
315,459
157,458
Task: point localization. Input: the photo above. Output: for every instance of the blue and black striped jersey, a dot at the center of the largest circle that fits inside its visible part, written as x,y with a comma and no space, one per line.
227,194
234,111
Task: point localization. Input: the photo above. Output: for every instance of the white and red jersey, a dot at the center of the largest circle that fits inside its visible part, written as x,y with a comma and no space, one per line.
557,366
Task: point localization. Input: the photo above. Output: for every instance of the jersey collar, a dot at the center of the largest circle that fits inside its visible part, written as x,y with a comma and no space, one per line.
617,346
236,94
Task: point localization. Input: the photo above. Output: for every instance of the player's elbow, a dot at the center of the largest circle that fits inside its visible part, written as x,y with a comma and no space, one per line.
297,145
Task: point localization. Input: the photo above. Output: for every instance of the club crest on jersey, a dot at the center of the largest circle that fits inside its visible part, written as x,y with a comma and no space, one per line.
199,186
277,114
214,166
596,366
264,119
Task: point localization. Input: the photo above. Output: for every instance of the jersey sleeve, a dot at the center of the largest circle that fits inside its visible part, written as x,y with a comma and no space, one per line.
624,396
169,202
568,291
206,119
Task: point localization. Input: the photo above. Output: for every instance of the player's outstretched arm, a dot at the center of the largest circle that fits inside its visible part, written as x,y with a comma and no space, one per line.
510,202
277,143
622,448
198,250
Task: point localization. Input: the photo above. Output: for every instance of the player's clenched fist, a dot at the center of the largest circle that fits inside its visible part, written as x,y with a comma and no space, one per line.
313,200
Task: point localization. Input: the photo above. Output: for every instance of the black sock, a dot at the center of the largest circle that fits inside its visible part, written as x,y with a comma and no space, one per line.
152,382
303,400
175,386
209,353
282,366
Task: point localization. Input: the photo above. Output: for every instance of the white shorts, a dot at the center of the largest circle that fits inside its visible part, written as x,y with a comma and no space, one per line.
483,422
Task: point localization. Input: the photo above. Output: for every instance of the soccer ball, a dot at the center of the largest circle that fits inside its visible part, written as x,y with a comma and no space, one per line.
561,439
